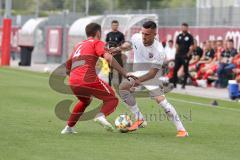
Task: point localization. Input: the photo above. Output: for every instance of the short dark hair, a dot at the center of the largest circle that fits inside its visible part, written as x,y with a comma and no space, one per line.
91,29
115,21
171,41
149,24
230,40
185,24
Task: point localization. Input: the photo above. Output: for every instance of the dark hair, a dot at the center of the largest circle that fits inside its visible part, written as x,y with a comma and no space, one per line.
171,41
230,40
149,24
114,21
91,29
185,24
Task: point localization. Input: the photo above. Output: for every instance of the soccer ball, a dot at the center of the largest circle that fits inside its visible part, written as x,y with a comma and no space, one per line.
122,122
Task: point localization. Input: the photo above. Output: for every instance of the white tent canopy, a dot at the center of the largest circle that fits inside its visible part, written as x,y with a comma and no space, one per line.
31,25
78,27
126,22
27,34
140,18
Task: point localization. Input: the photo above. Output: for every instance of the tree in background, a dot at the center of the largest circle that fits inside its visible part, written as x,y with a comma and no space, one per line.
95,6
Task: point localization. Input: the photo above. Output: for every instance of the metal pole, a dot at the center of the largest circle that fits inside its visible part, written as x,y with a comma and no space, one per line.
0,5
8,8
86,7
74,6
64,37
148,5
111,6
6,34
37,8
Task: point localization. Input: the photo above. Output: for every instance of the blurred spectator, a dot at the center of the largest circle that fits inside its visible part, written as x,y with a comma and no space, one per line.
164,44
213,44
196,56
220,47
114,39
184,45
170,51
226,64
203,66
206,59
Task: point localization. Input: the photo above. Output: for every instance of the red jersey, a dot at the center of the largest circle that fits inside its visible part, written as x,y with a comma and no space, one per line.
83,61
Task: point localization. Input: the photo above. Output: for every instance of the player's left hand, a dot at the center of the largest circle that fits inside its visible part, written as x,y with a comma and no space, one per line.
133,79
126,46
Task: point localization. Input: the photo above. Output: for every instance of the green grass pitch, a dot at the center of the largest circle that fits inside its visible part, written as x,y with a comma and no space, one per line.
30,130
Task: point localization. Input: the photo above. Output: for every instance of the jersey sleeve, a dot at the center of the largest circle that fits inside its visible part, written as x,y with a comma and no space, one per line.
160,58
191,40
212,53
234,53
199,52
122,38
133,39
100,48
69,63
177,40
107,38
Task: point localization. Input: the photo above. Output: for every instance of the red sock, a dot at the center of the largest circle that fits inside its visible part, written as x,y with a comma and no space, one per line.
78,110
109,106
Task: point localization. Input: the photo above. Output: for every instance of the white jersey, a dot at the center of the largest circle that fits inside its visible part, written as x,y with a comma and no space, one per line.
146,57
153,54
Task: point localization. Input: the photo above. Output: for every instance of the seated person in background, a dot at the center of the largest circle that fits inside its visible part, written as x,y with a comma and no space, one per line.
220,47
213,44
170,51
206,60
203,65
226,65
236,70
196,56
211,69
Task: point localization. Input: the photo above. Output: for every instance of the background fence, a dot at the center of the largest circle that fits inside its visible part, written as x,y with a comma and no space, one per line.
222,16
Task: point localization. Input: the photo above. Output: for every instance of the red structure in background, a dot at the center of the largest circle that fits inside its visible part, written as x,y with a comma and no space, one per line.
203,33
6,39
54,41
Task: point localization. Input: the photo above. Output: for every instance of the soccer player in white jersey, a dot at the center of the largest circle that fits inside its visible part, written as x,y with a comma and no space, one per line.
149,57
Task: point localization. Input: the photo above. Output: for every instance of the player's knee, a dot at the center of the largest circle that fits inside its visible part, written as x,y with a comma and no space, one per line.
125,85
159,99
115,101
86,101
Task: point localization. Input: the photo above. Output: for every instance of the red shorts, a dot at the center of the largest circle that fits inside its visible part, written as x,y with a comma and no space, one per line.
98,89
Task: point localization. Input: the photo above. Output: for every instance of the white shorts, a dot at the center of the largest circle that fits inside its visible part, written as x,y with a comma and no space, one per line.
153,85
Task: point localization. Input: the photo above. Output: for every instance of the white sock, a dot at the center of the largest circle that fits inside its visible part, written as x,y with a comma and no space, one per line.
101,117
135,110
172,114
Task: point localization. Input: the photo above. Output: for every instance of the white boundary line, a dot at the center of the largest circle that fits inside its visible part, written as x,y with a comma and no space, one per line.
204,104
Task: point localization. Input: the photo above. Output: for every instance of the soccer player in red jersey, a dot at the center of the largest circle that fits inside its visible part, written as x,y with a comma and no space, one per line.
84,81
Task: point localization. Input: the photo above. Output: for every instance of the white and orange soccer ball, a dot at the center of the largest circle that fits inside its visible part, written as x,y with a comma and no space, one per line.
122,122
